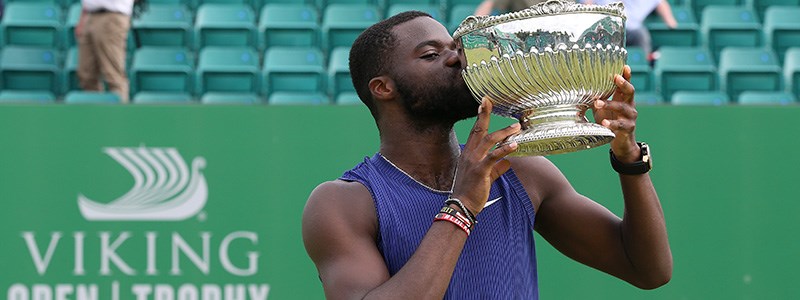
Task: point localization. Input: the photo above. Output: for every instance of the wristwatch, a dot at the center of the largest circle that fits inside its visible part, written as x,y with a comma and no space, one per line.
643,165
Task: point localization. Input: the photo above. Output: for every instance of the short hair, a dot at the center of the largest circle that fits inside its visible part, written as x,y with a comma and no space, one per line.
369,54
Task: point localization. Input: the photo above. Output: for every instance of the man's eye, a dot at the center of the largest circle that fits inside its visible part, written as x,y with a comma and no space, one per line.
430,55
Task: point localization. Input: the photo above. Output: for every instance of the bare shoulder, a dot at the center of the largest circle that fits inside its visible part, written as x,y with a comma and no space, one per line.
540,177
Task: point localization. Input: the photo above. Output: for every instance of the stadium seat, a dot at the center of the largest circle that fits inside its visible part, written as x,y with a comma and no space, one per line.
81,97
73,17
228,69
325,3
641,73
162,69
458,13
162,98
339,81
288,25
698,6
288,98
342,23
164,25
27,97
348,98
685,34
431,9
685,68
782,28
267,2
725,26
749,69
31,24
766,98
293,70
225,25
700,98
69,73
648,98
29,68
229,98
791,71
251,3
761,6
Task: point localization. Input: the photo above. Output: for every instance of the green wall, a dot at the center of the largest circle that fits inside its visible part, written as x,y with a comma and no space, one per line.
726,177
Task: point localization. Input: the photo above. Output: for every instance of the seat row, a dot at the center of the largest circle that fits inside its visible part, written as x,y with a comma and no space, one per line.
286,73
739,69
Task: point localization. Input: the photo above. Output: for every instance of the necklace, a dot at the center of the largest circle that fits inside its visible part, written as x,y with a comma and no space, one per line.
420,183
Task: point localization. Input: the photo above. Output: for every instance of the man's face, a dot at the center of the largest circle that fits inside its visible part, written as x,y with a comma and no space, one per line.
427,68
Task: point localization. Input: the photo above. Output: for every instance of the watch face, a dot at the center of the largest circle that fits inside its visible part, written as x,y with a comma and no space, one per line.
647,156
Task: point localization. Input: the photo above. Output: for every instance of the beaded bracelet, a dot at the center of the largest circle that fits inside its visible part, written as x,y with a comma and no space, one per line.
451,219
463,208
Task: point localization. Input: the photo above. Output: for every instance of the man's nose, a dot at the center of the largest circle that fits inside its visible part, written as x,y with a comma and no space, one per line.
456,58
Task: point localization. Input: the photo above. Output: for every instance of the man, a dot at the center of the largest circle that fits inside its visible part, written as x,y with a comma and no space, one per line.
372,233
636,11
102,35
487,7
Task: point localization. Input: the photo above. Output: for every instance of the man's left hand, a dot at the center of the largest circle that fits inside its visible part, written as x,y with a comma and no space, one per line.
619,115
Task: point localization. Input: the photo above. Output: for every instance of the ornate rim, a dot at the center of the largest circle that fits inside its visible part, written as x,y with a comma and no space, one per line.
549,8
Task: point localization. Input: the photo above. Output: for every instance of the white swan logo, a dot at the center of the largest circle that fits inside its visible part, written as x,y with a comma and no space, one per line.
164,188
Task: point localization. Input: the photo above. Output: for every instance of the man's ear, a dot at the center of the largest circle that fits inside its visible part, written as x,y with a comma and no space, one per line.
382,88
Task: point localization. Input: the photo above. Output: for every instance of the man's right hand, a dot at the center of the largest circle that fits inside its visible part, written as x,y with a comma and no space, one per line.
479,165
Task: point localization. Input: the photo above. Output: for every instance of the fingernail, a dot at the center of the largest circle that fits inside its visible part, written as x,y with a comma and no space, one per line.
480,108
515,126
513,145
606,123
599,103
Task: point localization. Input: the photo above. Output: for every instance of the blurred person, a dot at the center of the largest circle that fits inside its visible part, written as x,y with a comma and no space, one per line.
636,11
488,7
102,35
415,220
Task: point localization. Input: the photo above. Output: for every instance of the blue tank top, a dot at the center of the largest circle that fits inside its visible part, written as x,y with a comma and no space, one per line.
498,260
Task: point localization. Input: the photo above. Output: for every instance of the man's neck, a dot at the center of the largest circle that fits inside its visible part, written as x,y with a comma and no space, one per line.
428,155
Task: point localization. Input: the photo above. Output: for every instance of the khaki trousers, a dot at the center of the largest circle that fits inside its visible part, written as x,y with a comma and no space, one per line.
101,51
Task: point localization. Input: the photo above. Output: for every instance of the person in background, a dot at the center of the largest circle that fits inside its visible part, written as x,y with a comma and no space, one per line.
637,11
102,35
488,7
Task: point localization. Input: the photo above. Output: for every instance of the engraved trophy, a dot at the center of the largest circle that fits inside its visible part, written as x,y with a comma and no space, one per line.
545,66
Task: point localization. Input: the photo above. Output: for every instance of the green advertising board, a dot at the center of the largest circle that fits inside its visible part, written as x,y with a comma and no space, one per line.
204,202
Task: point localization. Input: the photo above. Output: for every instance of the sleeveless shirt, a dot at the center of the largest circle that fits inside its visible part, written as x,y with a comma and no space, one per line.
498,260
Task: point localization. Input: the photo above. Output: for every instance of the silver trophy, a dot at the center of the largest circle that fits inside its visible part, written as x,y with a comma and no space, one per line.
545,66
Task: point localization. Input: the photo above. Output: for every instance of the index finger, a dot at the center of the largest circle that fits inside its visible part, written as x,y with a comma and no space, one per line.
625,89
481,126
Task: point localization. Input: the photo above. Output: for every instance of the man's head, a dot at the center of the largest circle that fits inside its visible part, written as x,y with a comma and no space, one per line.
412,60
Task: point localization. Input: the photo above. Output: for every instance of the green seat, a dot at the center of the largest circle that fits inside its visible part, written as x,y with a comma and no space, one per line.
342,23
348,98
162,69
225,25
228,69
324,3
339,81
164,25
30,68
726,26
230,98
251,3
31,24
162,98
27,97
73,17
458,13
298,98
791,71
698,6
766,98
641,72
700,98
648,98
782,28
288,25
761,6
427,7
685,34
268,2
685,69
293,69
69,73
749,69
81,97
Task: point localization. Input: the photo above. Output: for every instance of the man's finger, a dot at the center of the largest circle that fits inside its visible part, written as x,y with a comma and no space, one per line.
481,125
489,140
618,109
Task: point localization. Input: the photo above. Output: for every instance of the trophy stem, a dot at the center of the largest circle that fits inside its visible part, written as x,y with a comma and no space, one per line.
558,129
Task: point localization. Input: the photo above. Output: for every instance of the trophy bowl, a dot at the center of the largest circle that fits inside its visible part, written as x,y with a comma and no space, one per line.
545,66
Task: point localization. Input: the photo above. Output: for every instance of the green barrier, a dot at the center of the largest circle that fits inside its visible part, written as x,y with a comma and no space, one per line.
204,202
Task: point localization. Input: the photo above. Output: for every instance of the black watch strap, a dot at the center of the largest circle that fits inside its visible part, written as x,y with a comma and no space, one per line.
643,165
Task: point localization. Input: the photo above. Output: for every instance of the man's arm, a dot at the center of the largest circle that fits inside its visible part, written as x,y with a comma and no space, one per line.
635,248
340,228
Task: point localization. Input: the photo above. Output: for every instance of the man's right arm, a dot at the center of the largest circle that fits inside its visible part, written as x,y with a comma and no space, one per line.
339,232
